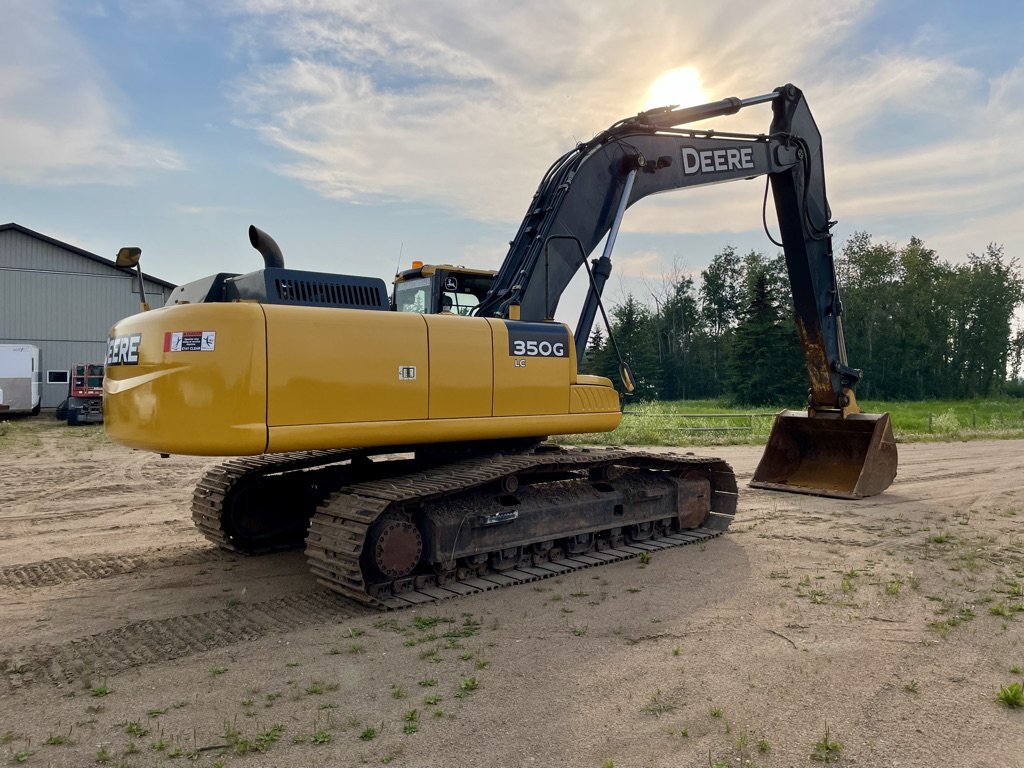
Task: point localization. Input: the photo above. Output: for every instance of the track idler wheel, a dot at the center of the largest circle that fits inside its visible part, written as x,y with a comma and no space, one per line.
394,547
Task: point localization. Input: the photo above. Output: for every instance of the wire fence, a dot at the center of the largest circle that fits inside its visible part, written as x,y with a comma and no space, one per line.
677,422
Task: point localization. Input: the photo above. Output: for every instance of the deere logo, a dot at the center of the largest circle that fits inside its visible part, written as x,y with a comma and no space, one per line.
717,160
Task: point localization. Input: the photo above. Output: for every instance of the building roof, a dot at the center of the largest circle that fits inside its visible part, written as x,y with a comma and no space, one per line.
75,249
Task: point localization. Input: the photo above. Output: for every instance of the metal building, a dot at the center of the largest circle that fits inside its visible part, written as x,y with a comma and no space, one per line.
63,300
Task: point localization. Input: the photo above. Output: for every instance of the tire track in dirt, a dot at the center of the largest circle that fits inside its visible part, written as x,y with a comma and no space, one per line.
64,570
94,657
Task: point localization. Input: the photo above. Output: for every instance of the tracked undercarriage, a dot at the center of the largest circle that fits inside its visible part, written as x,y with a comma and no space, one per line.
393,531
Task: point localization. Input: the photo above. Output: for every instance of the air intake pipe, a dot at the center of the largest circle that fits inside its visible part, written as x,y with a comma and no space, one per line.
269,249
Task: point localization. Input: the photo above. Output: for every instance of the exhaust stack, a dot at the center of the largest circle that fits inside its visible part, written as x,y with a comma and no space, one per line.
268,248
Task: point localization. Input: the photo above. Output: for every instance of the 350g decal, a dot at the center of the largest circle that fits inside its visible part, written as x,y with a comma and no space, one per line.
123,350
545,348
537,340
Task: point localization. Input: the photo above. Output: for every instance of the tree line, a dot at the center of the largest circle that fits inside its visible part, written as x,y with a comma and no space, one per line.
919,327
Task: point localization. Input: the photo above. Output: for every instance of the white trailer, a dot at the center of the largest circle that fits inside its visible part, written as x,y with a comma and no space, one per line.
19,379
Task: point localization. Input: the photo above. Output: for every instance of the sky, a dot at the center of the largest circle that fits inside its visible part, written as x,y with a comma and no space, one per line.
363,135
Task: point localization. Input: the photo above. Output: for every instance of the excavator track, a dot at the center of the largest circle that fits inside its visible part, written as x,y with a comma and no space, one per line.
369,524
234,485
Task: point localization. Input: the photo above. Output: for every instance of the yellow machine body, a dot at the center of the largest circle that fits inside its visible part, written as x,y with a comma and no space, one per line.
245,378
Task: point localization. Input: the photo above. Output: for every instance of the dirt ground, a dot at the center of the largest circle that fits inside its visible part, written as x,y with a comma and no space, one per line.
888,624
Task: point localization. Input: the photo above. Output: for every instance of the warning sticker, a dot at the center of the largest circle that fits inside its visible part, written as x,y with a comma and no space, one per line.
190,341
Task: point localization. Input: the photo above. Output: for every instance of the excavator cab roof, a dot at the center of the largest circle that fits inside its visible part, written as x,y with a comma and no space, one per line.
441,288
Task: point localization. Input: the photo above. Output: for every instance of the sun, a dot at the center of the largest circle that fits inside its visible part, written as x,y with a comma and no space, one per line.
680,86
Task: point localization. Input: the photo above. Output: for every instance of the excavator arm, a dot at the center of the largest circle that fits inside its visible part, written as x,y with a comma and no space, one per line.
581,201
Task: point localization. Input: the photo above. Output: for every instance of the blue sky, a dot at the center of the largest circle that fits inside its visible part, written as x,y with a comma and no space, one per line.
354,132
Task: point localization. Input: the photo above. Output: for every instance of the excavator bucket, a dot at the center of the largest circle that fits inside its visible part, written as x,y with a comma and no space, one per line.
827,455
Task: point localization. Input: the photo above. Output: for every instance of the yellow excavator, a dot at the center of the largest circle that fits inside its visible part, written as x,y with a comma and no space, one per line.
401,438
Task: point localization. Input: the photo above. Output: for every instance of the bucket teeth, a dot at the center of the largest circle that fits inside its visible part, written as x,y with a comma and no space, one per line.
827,455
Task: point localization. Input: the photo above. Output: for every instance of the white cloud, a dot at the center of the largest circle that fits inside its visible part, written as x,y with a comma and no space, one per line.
465,108
59,123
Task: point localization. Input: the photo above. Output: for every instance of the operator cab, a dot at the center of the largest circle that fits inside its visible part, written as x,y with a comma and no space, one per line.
440,289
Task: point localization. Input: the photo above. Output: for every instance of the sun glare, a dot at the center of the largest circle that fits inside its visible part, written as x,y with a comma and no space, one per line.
680,86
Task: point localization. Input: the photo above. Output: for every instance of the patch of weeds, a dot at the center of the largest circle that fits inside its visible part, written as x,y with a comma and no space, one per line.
579,631
1011,696
390,625
315,688
482,663
234,602
100,690
999,609
152,714
817,597
467,685
397,692
334,652
268,738
645,558
218,671
579,594
1015,669
290,664
176,751
912,687
322,737
429,682
894,586
716,712
355,632
433,656
659,704
22,755
634,590
159,745
764,747
7,737
412,719
827,750
426,622
805,581
136,729
940,538
369,733
356,648
432,700
677,650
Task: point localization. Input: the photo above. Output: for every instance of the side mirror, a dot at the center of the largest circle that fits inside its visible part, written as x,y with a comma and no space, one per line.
128,257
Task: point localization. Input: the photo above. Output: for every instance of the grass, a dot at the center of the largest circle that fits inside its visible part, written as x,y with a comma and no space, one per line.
827,750
100,690
659,704
659,423
1011,696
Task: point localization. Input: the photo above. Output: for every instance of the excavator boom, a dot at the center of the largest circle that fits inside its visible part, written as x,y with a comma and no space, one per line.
581,200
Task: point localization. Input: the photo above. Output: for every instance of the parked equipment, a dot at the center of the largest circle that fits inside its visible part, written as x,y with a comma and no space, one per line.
19,379
321,380
85,395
